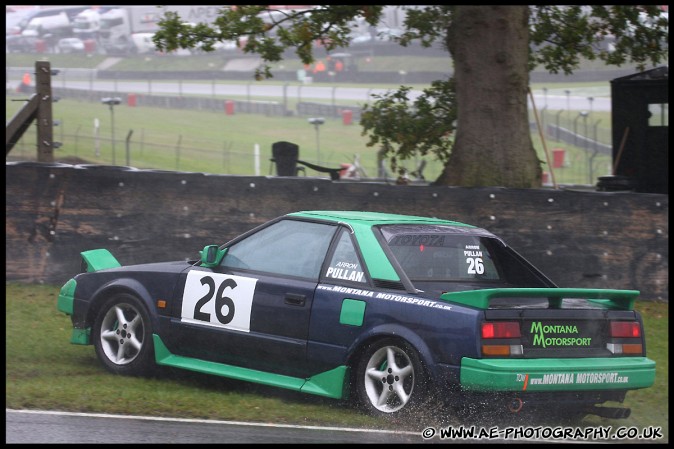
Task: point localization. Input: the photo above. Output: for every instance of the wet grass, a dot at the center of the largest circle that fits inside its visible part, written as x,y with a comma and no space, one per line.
45,372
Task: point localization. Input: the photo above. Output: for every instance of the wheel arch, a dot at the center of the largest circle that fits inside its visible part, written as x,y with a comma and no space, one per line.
117,286
396,332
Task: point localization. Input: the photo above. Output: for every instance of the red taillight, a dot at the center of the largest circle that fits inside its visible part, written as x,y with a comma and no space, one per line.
501,329
626,329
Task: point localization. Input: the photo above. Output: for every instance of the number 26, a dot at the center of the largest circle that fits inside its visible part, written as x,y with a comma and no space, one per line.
220,301
475,265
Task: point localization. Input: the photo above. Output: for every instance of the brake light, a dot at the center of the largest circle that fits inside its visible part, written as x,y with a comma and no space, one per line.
625,329
501,329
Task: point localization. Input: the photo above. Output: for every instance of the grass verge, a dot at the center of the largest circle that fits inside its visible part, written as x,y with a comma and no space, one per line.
45,372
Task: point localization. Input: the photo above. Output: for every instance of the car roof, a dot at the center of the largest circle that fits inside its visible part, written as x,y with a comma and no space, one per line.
361,224
372,218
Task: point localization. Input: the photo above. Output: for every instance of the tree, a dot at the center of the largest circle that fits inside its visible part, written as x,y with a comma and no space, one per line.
493,49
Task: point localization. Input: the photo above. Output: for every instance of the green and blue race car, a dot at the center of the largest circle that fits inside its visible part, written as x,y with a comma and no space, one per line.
386,309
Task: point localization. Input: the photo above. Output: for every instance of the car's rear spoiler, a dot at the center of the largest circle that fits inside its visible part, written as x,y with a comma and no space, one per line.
615,299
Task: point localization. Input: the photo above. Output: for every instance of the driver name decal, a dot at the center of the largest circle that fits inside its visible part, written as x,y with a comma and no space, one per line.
346,271
219,300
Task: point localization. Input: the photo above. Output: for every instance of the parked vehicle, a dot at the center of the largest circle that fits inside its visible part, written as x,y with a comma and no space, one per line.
70,11
387,309
17,43
70,45
55,25
87,24
119,25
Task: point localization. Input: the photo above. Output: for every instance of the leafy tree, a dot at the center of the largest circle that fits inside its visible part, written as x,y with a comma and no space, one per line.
493,49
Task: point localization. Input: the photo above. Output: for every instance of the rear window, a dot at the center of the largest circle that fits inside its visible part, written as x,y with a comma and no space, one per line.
442,253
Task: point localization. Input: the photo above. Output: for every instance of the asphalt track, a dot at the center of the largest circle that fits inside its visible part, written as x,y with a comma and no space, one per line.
47,427
554,99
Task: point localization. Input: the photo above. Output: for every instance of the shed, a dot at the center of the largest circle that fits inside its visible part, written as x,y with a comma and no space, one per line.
640,118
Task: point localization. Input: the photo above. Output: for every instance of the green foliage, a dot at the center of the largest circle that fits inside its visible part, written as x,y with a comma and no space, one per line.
403,131
560,37
563,35
267,32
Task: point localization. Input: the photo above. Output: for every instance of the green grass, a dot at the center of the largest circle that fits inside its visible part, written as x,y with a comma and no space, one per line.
198,62
45,372
213,142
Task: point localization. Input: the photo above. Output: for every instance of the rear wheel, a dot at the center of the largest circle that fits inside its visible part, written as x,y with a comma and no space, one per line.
122,336
390,378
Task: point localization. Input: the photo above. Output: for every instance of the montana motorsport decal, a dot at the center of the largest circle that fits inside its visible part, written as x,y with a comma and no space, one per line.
386,296
571,379
219,300
557,335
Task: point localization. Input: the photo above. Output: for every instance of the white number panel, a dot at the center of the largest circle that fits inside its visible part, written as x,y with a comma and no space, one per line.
219,300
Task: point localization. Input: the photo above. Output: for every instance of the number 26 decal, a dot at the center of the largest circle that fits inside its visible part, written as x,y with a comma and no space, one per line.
475,265
220,300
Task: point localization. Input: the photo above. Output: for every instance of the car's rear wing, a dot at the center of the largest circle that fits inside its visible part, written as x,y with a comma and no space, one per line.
614,299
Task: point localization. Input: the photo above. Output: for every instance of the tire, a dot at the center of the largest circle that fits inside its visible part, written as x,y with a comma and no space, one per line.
122,336
390,379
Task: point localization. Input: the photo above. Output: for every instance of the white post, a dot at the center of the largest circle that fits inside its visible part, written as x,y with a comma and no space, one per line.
97,142
257,159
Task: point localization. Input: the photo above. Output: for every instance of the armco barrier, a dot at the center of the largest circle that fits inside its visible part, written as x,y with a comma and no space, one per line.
616,240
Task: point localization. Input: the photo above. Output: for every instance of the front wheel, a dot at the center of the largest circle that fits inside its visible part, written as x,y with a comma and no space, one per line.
390,378
122,336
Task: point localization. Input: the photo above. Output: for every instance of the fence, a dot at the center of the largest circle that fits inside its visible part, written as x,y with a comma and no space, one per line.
560,126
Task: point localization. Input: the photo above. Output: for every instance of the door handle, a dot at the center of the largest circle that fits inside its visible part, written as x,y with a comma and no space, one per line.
295,299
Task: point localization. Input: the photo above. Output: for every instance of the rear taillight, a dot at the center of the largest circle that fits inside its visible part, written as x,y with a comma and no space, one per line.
503,338
625,329
625,338
501,329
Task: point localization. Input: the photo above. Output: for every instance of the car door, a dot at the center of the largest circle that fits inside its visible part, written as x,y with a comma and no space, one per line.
253,310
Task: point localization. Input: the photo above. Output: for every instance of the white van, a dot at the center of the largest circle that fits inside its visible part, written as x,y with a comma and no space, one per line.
56,25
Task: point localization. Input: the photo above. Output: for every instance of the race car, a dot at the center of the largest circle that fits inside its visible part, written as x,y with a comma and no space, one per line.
387,310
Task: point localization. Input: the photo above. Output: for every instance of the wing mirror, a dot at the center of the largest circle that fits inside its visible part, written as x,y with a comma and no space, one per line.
212,255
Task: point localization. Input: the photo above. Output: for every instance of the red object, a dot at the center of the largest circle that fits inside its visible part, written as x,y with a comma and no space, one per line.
545,178
344,169
131,100
40,46
626,329
347,116
229,107
501,329
558,157
89,46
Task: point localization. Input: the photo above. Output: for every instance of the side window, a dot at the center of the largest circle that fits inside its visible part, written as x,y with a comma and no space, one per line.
289,247
344,263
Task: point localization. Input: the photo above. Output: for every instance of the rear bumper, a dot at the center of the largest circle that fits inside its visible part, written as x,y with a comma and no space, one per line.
531,375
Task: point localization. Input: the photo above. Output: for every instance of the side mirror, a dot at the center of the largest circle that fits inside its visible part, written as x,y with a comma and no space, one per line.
212,255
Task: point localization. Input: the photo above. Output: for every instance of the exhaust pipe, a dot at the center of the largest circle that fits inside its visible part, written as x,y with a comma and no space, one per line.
610,412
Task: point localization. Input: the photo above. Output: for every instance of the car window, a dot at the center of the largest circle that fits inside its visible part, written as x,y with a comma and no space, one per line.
344,263
432,255
289,247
